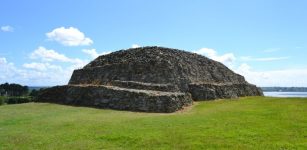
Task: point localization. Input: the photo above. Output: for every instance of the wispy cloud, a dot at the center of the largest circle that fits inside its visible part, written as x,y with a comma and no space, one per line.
284,77
249,58
69,36
271,50
7,28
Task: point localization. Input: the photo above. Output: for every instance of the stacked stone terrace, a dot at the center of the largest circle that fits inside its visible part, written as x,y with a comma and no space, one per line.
150,79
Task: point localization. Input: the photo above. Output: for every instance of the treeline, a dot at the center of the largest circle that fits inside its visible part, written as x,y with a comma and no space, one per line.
15,94
13,89
284,89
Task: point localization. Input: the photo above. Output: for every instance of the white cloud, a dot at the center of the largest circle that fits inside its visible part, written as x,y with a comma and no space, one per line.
2,61
45,55
6,69
69,36
38,66
135,46
284,77
50,68
249,58
227,59
8,72
93,53
51,55
53,68
48,55
36,73
41,66
7,28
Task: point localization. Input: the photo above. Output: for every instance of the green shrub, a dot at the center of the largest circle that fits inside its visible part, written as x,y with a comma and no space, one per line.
18,100
2,100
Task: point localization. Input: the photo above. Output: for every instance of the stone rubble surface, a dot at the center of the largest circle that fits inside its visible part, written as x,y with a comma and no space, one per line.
150,79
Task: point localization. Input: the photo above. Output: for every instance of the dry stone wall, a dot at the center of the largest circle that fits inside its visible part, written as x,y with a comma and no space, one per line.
146,86
116,98
210,91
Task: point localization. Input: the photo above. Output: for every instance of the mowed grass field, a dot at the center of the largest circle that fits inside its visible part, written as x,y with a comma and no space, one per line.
245,123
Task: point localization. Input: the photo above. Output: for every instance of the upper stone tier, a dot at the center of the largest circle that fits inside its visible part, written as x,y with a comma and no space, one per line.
157,65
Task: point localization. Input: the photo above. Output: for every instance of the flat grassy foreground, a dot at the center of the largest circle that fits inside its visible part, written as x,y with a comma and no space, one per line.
246,123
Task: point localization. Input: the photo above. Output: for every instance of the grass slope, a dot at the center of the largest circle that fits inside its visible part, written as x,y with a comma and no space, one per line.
247,123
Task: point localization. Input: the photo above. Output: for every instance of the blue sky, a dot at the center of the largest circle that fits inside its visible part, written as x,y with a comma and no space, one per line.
264,40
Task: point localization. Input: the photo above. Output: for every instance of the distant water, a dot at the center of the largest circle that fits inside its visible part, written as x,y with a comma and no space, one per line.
285,94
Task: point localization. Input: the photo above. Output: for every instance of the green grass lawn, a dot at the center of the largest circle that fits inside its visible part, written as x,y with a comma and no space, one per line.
245,123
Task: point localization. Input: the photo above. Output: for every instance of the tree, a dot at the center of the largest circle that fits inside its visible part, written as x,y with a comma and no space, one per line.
13,89
33,93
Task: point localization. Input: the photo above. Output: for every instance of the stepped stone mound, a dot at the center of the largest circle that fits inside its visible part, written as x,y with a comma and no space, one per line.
151,79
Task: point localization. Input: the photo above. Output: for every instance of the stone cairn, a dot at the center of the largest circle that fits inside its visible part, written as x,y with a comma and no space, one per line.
149,79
